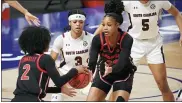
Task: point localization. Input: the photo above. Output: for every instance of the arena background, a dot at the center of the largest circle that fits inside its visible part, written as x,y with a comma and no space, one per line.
55,19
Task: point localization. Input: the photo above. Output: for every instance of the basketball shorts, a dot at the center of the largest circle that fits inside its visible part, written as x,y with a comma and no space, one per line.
150,48
105,83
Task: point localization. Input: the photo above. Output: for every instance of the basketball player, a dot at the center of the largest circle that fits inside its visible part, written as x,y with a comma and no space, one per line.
36,68
73,45
115,66
28,16
144,16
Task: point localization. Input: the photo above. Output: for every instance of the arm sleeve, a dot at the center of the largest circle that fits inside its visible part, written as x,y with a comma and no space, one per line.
53,90
48,63
124,54
94,51
166,5
58,44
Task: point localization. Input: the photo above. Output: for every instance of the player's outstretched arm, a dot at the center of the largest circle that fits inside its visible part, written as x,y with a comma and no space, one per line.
178,17
28,16
98,30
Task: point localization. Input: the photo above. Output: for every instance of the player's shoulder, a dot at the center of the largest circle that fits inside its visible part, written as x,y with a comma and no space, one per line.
46,57
126,2
88,34
127,37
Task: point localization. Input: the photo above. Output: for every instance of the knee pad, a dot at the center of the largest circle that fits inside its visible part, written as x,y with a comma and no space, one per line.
120,99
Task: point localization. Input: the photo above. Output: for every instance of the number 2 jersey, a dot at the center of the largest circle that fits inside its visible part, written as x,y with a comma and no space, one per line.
144,17
74,51
34,74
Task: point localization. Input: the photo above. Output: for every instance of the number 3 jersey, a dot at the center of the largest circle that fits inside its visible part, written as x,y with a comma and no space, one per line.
144,17
74,51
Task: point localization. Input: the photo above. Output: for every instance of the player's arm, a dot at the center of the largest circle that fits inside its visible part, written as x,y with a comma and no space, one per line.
57,46
178,17
99,29
93,54
124,54
49,64
28,16
16,5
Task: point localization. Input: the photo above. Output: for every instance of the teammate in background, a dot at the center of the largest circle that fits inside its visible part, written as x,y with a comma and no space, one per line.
144,17
115,67
73,45
36,68
28,16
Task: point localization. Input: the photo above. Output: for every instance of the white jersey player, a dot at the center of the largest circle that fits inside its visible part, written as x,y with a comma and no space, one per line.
74,45
74,51
144,16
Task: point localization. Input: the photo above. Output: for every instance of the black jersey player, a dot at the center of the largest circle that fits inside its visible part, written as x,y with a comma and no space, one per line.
115,66
36,68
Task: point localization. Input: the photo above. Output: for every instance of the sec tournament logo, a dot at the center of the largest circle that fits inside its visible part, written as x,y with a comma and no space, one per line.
152,6
85,43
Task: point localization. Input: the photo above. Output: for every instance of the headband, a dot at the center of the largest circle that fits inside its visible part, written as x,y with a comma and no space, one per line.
76,17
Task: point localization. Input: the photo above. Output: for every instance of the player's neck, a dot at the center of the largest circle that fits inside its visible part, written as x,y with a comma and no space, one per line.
144,2
75,35
113,39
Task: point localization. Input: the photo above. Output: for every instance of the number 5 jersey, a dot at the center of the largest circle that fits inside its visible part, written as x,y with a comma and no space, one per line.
144,17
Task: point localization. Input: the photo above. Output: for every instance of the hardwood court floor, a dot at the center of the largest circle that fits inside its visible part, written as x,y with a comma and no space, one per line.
144,87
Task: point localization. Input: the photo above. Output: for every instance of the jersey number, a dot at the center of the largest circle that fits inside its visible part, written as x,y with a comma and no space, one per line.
78,60
27,69
145,24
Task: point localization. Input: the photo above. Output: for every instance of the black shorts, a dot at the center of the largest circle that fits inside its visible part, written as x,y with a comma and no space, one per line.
26,98
107,82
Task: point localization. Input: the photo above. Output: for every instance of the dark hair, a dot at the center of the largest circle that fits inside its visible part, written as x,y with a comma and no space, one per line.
34,39
115,8
74,11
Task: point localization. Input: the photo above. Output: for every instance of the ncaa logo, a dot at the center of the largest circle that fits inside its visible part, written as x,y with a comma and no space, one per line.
85,43
152,6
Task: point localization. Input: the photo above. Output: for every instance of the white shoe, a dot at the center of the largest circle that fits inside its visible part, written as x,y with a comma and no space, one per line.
57,97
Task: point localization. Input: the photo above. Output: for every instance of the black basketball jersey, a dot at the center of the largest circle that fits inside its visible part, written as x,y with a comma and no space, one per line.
118,57
108,54
34,74
32,78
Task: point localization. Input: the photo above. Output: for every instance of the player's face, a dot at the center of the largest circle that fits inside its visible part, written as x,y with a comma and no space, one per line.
144,1
77,26
110,26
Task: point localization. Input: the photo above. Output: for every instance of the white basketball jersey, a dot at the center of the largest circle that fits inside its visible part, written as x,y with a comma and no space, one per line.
144,18
75,51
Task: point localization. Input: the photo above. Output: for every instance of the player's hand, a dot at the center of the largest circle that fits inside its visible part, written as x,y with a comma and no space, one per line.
180,40
68,91
31,18
82,69
107,70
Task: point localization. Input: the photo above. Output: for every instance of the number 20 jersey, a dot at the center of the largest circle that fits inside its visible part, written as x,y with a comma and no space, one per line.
74,51
144,17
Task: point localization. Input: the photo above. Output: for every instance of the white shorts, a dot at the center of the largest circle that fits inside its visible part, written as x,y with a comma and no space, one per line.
150,48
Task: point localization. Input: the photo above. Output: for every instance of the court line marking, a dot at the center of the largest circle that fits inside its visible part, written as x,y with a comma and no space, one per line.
173,78
175,91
